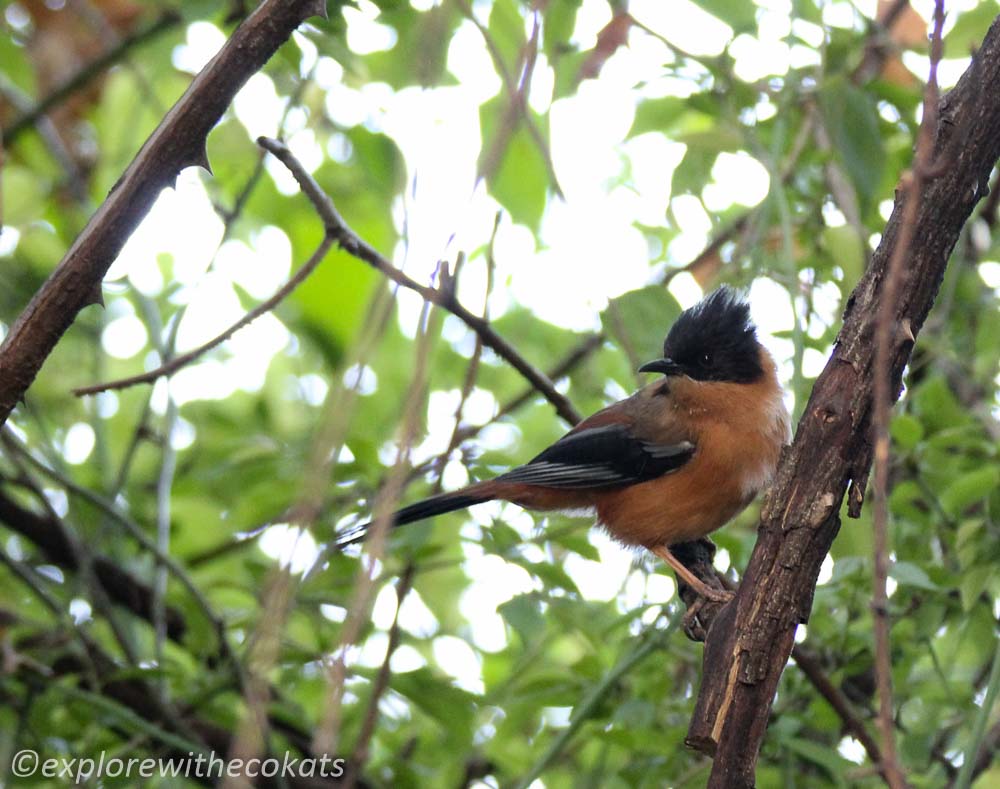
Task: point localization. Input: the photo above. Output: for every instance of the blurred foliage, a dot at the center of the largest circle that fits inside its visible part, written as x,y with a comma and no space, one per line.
576,688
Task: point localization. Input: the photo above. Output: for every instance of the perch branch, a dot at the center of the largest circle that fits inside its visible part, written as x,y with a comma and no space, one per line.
751,639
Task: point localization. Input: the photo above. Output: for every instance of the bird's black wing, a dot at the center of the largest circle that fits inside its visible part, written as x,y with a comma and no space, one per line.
601,457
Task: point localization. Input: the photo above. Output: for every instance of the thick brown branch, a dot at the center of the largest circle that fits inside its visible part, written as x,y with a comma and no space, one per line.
178,142
749,643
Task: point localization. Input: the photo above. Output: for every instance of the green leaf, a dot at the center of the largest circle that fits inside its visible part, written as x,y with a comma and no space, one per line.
907,431
970,27
23,195
851,119
975,581
506,31
578,543
557,30
523,613
969,489
512,164
420,54
824,757
740,16
553,576
936,406
846,249
716,140
639,319
659,115
452,708
909,574
693,172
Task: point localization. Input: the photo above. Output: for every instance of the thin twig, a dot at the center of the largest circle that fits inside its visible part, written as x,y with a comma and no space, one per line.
350,242
381,684
885,345
472,369
328,732
517,92
813,671
164,483
174,364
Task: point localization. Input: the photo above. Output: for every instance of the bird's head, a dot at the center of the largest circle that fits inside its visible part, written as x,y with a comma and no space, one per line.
714,340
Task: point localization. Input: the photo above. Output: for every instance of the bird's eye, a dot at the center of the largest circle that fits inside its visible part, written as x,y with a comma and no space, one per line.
706,360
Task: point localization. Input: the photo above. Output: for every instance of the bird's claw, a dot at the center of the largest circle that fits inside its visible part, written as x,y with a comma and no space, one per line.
692,625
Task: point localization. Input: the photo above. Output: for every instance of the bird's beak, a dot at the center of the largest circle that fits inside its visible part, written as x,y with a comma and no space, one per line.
665,366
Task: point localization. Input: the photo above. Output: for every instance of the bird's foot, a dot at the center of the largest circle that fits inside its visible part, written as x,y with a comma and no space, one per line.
692,624
700,587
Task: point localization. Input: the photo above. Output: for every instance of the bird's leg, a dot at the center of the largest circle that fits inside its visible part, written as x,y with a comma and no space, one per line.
692,580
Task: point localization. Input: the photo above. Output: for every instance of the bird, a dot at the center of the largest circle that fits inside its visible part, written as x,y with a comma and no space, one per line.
673,462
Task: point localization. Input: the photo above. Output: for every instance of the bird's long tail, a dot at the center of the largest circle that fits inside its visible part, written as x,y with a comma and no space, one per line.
421,510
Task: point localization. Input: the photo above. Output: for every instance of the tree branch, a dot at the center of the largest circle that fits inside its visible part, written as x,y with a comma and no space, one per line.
175,363
338,230
884,393
750,641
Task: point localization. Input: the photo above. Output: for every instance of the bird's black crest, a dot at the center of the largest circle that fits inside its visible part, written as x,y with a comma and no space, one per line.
715,340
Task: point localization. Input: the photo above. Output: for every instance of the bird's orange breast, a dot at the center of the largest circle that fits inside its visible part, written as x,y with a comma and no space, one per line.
739,430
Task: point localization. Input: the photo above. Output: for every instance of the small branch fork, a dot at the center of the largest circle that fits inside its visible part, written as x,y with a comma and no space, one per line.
443,296
749,641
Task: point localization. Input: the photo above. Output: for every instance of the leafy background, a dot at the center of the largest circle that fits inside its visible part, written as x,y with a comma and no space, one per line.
510,659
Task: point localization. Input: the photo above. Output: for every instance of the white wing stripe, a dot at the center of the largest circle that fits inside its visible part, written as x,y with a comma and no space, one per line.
667,450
